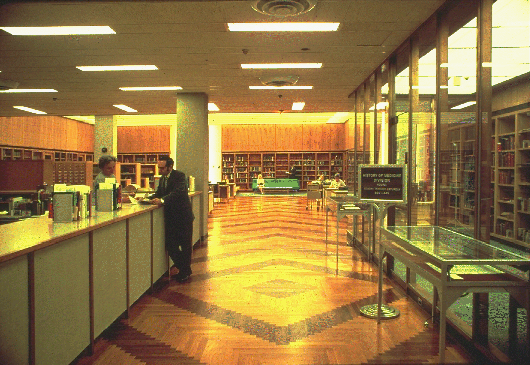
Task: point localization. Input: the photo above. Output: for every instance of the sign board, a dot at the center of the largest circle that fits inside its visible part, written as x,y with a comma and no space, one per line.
383,183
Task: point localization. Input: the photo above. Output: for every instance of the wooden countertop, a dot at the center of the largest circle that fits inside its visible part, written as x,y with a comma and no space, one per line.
20,238
32,234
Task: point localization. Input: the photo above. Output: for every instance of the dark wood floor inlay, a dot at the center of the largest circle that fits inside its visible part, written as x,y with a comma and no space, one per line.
281,335
144,347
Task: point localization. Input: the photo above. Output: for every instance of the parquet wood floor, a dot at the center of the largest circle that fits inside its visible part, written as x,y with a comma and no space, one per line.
264,291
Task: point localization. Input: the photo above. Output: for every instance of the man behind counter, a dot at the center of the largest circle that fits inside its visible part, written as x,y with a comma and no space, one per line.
107,165
172,192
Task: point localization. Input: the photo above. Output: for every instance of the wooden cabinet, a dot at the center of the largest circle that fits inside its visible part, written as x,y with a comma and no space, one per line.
242,167
73,173
25,174
38,172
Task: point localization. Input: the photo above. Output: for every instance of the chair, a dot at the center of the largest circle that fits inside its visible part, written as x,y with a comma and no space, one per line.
314,193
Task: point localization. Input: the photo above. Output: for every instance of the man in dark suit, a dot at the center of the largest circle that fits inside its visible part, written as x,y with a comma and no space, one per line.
172,192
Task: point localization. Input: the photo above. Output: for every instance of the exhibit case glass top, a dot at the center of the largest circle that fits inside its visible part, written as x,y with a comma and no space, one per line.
447,246
346,203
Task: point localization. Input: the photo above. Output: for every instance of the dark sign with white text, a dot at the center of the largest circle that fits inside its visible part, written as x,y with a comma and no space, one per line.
382,183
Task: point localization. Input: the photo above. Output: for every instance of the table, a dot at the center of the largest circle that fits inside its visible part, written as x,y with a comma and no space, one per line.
443,257
278,184
224,192
343,206
232,189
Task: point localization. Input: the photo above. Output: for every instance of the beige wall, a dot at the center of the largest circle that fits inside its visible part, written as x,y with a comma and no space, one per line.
514,95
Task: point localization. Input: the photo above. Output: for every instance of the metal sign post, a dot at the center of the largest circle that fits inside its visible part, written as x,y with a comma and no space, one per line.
379,310
383,186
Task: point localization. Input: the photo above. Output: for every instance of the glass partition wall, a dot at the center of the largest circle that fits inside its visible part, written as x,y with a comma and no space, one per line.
458,119
453,104
401,119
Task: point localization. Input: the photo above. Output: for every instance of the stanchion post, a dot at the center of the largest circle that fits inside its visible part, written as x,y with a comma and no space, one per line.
380,311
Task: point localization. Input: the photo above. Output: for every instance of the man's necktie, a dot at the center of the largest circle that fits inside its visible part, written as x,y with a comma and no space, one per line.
163,183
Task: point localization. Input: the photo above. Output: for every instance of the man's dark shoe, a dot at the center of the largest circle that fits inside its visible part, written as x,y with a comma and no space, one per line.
182,276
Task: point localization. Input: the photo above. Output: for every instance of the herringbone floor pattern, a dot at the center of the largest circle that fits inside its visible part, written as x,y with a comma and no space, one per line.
264,291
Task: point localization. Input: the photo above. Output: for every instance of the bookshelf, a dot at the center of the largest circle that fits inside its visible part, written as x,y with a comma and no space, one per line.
460,166
130,173
147,174
143,158
228,167
240,168
511,183
14,153
144,175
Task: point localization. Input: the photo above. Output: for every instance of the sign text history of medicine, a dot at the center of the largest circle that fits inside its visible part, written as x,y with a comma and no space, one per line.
382,183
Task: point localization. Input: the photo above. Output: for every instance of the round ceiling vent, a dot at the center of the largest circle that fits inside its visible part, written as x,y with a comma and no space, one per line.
283,8
279,80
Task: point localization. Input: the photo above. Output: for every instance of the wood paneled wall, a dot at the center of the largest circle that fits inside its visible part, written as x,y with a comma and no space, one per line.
144,139
349,134
49,132
276,137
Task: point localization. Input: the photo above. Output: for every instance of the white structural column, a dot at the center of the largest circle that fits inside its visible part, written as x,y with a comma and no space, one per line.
105,136
215,164
193,146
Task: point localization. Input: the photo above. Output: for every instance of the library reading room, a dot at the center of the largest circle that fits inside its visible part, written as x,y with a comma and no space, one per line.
264,182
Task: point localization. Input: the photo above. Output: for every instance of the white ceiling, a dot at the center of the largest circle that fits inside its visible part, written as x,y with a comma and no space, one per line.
188,41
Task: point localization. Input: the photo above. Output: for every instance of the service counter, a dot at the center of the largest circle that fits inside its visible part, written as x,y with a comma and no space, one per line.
62,284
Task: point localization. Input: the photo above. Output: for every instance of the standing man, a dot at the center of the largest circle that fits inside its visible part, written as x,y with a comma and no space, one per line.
172,192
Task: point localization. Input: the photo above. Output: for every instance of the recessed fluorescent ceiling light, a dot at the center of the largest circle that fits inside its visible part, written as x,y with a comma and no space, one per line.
35,111
464,105
59,30
29,91
281,65
126,108
283,27
280,87
212,107
298,106
142,88
118,68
